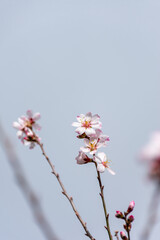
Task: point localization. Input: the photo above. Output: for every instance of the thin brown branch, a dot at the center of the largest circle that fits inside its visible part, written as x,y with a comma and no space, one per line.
104,204
25,187
70,199
116,235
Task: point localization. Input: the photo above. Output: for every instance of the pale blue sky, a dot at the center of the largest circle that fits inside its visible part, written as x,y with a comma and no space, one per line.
63,58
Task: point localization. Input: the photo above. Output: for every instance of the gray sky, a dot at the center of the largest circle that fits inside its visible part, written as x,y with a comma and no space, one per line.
63,58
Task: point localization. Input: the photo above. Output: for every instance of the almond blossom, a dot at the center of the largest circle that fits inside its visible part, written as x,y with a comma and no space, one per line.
96,141
87,124
82,158
25,125
102,163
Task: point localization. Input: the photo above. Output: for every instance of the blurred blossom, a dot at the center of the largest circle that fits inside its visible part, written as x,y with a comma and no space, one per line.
151,154
152,150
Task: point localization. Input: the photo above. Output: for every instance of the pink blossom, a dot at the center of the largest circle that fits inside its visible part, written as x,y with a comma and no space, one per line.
25,125
27,122
82,158
102,163
87,124
96,141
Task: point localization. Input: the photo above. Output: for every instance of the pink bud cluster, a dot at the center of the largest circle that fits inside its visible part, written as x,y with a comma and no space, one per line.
25,126
88,128
128,219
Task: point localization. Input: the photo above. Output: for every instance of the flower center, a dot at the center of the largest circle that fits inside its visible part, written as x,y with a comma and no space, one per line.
86,124
92,146
29,123
105,164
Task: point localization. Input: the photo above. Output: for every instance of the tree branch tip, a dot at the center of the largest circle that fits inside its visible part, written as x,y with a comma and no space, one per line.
100,194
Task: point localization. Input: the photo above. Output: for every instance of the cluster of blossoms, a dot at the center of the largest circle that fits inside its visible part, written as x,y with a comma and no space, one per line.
128,220
151,154
25,126
88,127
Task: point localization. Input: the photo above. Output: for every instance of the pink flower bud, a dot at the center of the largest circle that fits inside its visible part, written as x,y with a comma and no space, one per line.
131,207
119,214
130,218
123,236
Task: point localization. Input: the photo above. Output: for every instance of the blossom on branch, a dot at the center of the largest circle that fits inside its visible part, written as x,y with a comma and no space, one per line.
25,126
82,158
96,141
87,124
102,163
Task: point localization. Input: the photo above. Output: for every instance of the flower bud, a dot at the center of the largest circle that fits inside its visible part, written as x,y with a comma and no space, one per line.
131,207
123,236
130,218
119,214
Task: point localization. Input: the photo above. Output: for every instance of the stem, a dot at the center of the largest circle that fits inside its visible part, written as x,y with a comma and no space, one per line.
70,199
128,232
25,187
116,235
104,204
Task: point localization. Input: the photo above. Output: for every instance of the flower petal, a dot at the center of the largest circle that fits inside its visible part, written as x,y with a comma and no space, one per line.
37,126
89,131
16,125
102,156
80,130
19,134
84,149
110,171
76,124
36,116
29,113
100,168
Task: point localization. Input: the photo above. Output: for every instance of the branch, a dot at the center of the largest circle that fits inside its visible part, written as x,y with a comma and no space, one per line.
104,204
116,235
70,199
25,187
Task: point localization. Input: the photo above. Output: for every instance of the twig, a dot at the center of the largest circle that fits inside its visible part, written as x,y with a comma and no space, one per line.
116,235
104,204
152,214
25,187
70,199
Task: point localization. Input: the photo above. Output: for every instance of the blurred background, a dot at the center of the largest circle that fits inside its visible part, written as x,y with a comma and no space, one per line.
62,58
